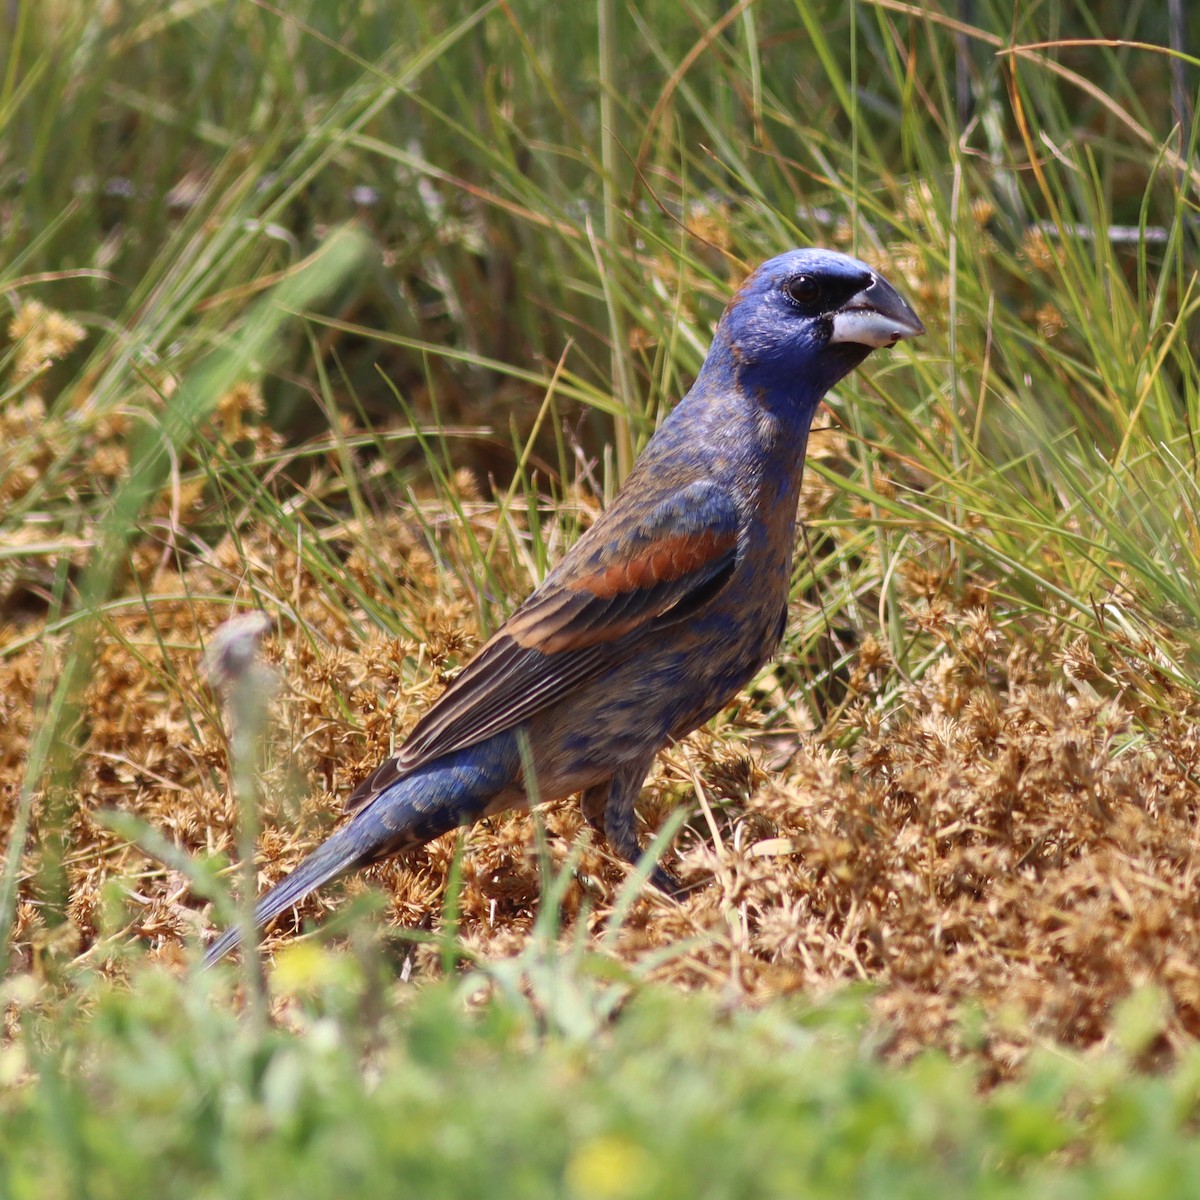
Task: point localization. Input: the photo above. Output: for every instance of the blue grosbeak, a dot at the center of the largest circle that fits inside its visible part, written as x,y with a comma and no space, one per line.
668,605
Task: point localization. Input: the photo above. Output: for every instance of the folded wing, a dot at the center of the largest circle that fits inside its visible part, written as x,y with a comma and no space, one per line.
597,609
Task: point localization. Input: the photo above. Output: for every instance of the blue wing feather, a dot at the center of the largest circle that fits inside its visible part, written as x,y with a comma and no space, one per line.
625,581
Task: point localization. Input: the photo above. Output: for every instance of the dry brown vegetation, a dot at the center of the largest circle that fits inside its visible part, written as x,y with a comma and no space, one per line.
1012,834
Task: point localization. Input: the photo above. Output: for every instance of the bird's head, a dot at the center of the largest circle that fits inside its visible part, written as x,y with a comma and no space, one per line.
807,318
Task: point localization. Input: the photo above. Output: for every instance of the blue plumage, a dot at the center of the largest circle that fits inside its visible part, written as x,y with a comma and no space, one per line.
660,613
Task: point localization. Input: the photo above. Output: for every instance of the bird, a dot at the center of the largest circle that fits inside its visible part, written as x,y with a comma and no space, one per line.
663,609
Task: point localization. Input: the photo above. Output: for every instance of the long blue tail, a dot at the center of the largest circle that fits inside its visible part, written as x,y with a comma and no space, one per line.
451,791
340,853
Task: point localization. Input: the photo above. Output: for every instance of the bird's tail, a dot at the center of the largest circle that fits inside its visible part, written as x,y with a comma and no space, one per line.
414,809
340,853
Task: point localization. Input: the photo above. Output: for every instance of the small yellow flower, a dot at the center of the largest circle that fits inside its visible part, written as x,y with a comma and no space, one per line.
303,967
607,1168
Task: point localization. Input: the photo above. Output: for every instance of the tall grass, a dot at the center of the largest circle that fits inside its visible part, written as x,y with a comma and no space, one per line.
463,256
159,188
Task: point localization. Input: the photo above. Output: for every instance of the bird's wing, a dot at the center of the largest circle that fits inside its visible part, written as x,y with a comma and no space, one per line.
590,614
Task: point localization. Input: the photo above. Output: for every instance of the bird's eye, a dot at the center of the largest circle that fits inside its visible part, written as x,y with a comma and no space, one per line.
803,289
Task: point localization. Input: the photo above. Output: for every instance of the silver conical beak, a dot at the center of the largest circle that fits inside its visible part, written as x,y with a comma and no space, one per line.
877,316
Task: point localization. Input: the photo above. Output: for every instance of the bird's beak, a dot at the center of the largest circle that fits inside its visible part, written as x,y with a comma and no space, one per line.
877,316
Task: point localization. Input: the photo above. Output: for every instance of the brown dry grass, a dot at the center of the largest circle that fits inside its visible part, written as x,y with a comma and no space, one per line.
1014,833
